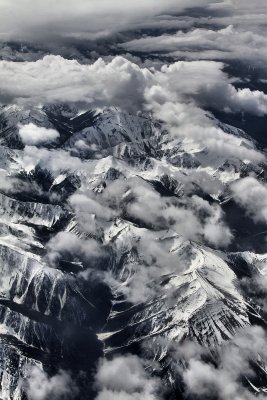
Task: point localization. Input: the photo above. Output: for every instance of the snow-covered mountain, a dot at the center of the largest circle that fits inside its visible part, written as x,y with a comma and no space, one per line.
107,241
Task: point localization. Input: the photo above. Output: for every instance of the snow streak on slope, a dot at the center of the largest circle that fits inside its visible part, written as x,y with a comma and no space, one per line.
113,236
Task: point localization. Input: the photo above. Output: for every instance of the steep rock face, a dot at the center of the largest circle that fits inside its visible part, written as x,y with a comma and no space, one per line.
35,213
67,313
197,298
115,133
11,117
40,325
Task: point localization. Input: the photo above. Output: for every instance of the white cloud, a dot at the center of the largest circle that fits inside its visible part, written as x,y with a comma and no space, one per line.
251,194
176,94
191,217
54,79
223,382
35,135
39,386
86,204
68,246
215,231
55,161
39,19
190,122
123,83
205,43
125,378
205,83
140,201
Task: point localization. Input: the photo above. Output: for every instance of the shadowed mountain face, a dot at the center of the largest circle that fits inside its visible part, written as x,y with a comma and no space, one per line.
133,200
108,243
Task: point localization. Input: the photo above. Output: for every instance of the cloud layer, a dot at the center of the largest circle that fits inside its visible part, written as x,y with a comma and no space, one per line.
179,94
125,84
229,43
38,20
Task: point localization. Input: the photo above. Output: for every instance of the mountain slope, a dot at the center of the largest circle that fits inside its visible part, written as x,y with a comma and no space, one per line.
108,240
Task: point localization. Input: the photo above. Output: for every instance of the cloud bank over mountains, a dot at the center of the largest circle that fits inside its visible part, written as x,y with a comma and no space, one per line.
123,83
228,43
190,30
176,94
65,19
121,113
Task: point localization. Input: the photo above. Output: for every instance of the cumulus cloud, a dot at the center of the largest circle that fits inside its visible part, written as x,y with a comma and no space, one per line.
34,135
226,378
13,184
55,161
206,84
224,381
152,257
67,246
90,213
86,204
39,386
54,79
182,217
125,378
156,217
215,231
161,221
164,213
125,84
251,195
137,200
190,122
176,94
